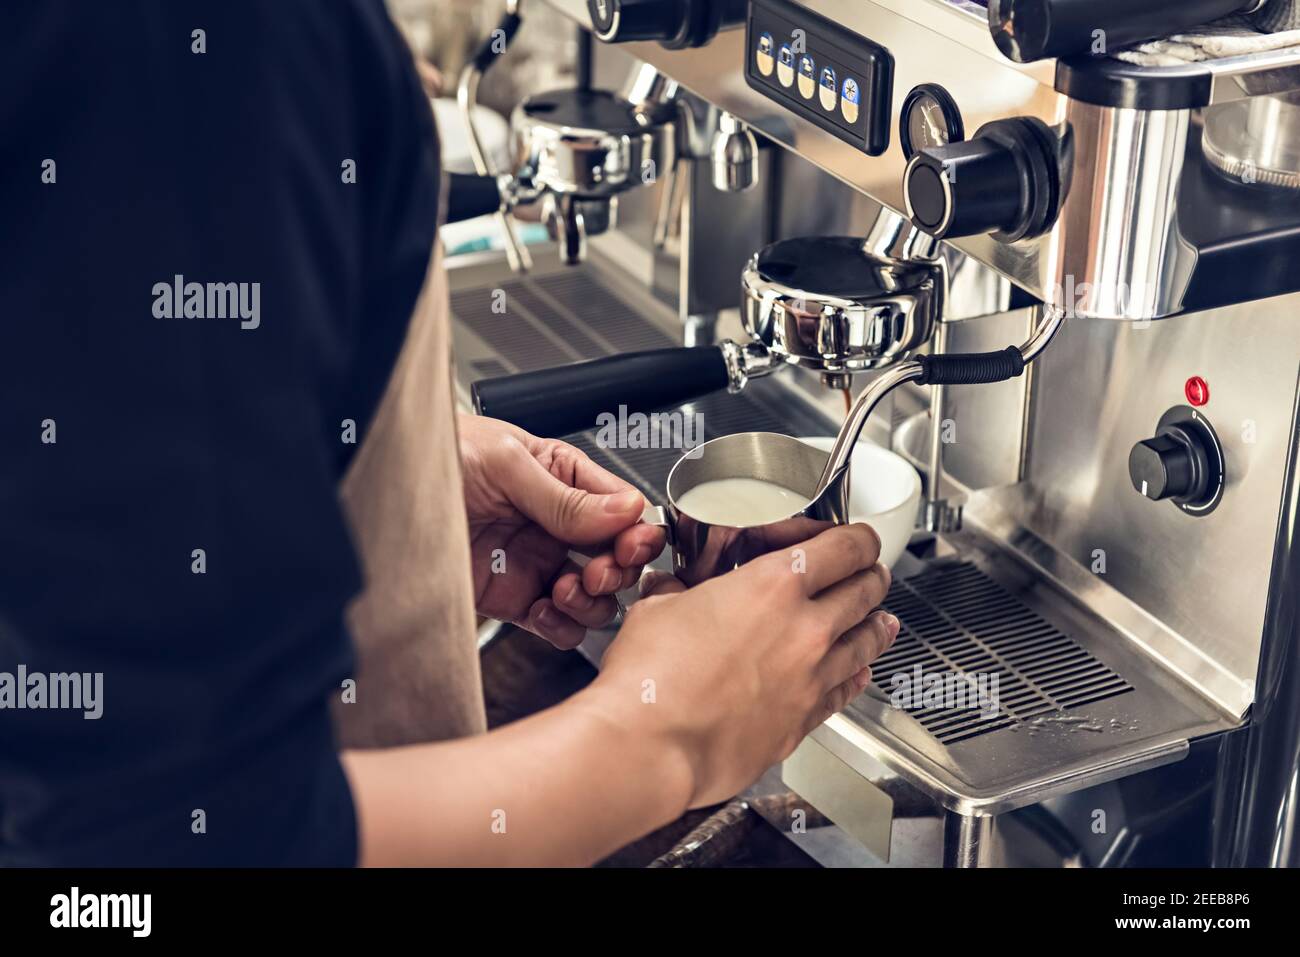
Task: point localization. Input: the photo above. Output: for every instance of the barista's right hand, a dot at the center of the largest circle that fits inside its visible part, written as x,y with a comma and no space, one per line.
729,676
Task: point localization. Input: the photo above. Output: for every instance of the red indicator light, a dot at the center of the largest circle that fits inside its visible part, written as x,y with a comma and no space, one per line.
1197,391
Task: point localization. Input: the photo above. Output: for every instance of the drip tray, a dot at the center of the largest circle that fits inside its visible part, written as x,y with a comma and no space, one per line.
1014,666
1076,703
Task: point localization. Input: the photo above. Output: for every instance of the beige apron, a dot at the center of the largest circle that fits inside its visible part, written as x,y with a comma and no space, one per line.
417,675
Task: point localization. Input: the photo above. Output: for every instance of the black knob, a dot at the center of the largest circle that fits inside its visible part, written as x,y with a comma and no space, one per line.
620,21
1028,30
676,24
1183,461
1165,467
1004,180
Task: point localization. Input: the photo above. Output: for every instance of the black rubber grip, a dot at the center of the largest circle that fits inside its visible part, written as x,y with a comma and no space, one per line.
972,368
497,42
568,399
1029,30
469,196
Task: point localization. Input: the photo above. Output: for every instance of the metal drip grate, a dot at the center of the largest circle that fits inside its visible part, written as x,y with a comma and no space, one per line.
566,316
958,621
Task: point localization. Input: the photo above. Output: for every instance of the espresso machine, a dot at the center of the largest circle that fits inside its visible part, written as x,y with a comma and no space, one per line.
1062,284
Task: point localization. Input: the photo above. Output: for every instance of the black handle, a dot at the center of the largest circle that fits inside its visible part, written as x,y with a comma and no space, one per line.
469,196
971,368
568,399
1029,30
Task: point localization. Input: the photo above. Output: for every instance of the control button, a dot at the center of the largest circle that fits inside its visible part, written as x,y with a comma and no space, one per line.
807,77
785,65
1197,391
829,90
763,55
1183,461
850,99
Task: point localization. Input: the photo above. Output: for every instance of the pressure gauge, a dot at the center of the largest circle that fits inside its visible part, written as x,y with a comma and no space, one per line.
930,118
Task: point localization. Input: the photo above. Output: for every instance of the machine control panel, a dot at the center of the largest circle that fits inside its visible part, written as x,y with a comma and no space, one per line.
835,78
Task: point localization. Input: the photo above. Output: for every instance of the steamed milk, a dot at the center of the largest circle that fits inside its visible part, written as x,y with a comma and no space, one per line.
740,502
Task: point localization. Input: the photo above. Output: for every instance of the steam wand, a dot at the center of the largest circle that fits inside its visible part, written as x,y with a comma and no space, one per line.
467,99
960,369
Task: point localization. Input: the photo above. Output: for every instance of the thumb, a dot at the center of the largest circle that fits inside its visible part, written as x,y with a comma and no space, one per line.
660,583
573,515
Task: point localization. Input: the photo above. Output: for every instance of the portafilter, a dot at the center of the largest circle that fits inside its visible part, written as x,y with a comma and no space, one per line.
824,303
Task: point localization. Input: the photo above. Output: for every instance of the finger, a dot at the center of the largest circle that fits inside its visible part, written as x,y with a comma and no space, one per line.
532,559
837,553
639,545
576,468
655,583
571,514
857,649
572,599
837,699
547,621
846,603
605,576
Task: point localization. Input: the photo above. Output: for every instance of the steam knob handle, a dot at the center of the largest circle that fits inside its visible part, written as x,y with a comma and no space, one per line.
620,21
1004,180
963,189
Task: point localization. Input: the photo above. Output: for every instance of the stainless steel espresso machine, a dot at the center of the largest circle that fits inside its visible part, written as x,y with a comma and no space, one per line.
1109,533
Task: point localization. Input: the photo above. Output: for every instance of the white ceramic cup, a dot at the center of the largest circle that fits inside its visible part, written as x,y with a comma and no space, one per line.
885,492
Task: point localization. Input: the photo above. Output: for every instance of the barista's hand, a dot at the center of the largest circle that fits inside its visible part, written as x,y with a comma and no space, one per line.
732,674
529,501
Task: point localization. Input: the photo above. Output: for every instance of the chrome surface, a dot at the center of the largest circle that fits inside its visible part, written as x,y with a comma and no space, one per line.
745,362
828,304
892,236
1116,251
646,89
967,841
587,162
735,156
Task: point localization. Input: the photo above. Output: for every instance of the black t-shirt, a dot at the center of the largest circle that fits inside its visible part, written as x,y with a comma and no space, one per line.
217,216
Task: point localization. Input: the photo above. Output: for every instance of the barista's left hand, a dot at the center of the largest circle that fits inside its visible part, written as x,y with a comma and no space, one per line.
530,501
